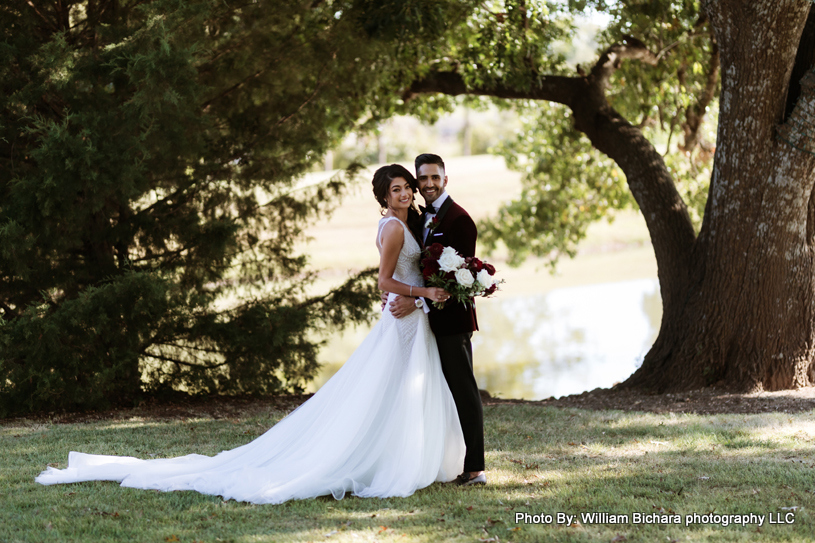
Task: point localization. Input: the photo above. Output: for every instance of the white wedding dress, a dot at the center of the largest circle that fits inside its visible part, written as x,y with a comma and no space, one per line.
384,425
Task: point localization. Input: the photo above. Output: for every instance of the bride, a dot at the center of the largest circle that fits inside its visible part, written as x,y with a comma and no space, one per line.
384,425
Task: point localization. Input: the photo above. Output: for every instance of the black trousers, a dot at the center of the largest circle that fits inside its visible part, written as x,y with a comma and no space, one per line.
456,353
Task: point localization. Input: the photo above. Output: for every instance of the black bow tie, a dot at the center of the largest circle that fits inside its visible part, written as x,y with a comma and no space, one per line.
428,209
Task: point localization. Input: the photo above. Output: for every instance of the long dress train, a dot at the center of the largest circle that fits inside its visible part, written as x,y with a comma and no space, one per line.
384,425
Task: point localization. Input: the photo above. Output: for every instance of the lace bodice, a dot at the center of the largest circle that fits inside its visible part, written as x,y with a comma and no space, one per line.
407,266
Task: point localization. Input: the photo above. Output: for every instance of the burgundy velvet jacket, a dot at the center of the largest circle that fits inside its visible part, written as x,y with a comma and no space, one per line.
457,230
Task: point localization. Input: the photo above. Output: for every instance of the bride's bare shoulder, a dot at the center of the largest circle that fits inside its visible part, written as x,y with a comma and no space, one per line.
390,231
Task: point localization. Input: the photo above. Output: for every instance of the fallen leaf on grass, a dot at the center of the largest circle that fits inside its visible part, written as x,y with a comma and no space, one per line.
106,514
382,529
171,538
524,464
470,508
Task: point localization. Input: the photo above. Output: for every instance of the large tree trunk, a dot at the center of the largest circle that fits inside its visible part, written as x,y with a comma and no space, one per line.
747,319
739,299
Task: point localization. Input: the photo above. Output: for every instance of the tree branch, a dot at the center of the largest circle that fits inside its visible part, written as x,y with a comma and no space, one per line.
612,58
559,89
696,114
551,88
228,91
182,363
649,179
43,17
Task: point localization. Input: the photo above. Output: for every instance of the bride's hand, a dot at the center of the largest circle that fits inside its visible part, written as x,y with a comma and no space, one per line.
438,294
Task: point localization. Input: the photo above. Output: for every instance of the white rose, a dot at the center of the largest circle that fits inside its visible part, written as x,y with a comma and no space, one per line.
450,260
464,277
484,279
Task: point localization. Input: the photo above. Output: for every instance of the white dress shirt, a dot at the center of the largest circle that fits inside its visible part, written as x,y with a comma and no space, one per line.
435,206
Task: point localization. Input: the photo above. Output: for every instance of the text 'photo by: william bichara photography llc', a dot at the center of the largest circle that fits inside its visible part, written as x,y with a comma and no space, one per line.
689,519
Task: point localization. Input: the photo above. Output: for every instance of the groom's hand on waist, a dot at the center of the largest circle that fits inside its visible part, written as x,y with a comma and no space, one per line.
402,306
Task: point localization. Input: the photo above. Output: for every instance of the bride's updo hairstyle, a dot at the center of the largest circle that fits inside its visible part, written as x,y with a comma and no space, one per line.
382,182
384,176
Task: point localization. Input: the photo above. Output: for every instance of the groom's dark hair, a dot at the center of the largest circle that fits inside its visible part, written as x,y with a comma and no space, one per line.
428,158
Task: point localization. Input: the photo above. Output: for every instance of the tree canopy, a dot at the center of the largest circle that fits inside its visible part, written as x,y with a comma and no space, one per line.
150,152
664,78
736,283
149,203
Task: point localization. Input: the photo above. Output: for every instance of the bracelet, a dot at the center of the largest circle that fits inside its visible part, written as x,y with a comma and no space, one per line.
411,291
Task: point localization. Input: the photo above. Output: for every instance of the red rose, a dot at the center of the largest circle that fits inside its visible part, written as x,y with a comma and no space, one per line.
427,273
476,265
450,276
430,264
490,290
435,250
490,268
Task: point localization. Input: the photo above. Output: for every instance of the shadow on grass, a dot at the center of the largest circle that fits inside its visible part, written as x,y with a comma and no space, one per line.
539,459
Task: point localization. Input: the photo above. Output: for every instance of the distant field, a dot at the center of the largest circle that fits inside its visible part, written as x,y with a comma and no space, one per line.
612,252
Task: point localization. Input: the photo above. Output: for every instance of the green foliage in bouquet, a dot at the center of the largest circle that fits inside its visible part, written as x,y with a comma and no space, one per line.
149,206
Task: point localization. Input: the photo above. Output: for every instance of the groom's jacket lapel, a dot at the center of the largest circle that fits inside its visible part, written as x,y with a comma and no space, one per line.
445,207
455,229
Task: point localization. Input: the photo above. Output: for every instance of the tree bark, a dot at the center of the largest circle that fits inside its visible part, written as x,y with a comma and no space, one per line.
739,299
748,322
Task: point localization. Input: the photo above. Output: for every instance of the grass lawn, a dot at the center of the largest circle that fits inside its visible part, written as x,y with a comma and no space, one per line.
541,460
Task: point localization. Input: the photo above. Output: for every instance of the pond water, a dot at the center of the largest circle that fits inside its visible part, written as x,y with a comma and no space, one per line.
563,342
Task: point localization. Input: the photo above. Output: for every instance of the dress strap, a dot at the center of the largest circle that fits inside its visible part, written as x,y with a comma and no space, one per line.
382,222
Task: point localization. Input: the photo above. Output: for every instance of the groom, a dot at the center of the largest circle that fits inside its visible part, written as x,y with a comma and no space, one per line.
454,324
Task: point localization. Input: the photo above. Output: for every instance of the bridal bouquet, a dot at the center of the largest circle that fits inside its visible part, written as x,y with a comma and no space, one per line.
464,278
